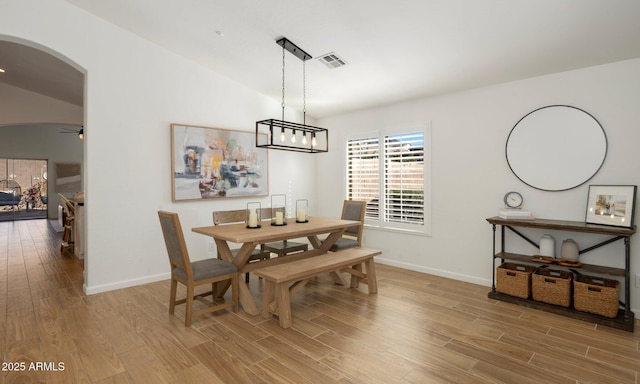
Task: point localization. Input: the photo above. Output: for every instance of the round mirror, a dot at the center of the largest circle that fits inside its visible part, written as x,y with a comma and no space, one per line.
556,148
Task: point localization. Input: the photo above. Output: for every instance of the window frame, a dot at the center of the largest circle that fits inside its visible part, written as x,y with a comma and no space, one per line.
380,223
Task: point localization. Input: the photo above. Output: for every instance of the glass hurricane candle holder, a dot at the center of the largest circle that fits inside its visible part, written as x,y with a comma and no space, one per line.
302,206
253,215
279,210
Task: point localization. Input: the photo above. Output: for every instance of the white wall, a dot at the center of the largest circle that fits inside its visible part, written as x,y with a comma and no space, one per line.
134,91
470,174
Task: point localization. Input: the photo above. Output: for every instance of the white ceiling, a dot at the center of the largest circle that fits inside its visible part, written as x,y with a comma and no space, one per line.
37,71
395,50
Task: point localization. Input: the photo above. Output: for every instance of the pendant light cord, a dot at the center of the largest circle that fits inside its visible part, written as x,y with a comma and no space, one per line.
282,82
304,92
304,88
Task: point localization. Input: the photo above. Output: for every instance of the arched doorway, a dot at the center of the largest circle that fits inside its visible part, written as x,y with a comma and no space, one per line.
43,92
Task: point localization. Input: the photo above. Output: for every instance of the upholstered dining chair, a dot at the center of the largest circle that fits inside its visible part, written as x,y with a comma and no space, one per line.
352,236
193,274
284,247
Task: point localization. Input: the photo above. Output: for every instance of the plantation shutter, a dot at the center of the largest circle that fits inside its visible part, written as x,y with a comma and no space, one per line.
404,178
363,173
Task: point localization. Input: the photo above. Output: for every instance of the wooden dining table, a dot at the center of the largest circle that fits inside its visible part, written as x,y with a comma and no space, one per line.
250,238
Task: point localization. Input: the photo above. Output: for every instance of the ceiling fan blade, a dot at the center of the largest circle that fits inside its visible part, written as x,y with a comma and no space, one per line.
72,130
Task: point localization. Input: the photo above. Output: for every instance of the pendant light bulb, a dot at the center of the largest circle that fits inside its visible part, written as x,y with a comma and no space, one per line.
282,135
304,138
314,143
293,136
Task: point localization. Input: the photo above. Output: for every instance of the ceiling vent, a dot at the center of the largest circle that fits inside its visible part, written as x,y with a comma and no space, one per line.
332,60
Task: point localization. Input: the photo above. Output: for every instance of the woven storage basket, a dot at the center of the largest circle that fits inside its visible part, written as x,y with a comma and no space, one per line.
552,286
514,279
596,295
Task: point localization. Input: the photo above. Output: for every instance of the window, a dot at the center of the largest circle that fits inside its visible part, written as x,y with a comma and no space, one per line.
24,183
389,172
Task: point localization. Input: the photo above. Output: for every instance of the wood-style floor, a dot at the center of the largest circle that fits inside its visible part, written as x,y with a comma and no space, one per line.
417,329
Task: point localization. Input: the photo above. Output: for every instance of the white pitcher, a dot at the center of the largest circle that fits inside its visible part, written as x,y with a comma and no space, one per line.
547,246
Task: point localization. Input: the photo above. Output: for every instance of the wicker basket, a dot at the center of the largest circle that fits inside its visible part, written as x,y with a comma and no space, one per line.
596,295
514,279
552,286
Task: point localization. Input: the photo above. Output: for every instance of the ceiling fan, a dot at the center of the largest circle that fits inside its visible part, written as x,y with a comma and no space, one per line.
79,132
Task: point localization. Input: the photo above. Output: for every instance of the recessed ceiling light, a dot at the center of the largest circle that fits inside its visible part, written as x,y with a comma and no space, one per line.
1,70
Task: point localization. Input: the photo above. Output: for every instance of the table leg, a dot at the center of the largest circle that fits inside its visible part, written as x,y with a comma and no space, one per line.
240,260
219,288
224,253
327,243
315,241
325,246
337,278
246,300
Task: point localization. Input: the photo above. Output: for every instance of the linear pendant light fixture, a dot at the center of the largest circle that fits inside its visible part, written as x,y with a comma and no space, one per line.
289,136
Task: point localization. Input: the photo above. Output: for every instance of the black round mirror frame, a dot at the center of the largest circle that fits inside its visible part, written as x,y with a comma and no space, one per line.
527,147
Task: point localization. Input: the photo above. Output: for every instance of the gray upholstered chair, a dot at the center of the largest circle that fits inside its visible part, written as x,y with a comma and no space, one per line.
192,274
284,247
352,236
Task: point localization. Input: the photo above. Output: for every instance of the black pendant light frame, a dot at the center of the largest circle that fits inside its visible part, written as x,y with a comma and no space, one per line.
267,130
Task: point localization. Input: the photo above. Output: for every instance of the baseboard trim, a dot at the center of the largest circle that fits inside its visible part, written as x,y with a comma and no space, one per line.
436,272
92,290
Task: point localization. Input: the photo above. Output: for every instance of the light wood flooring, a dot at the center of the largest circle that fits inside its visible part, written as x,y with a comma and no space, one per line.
417,329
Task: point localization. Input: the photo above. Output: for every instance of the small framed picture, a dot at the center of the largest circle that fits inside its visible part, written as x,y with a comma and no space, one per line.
611,205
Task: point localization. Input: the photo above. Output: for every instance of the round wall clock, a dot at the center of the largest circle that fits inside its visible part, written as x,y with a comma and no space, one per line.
513,199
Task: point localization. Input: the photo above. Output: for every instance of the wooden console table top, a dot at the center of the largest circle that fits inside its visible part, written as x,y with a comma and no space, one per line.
564,225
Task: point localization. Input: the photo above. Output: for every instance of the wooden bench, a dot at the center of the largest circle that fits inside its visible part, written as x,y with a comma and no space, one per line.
284,280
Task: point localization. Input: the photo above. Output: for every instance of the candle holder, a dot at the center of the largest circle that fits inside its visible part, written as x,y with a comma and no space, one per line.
278,210
302,207
253,218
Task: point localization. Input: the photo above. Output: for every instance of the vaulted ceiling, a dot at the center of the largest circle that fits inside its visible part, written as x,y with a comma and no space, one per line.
37,71
394,50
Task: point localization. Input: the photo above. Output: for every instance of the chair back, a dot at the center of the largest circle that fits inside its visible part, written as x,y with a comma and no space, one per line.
174,241
67,206
237,216
354,210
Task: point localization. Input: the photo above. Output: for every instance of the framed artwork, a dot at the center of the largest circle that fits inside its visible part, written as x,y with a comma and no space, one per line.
68,177
611,205
214,163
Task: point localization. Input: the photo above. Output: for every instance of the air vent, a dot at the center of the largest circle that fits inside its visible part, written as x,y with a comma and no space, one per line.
332,60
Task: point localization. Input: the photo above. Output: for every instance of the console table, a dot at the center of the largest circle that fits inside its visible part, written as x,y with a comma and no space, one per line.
625,318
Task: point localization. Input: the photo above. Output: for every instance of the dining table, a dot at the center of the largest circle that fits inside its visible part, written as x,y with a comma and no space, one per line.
250,238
